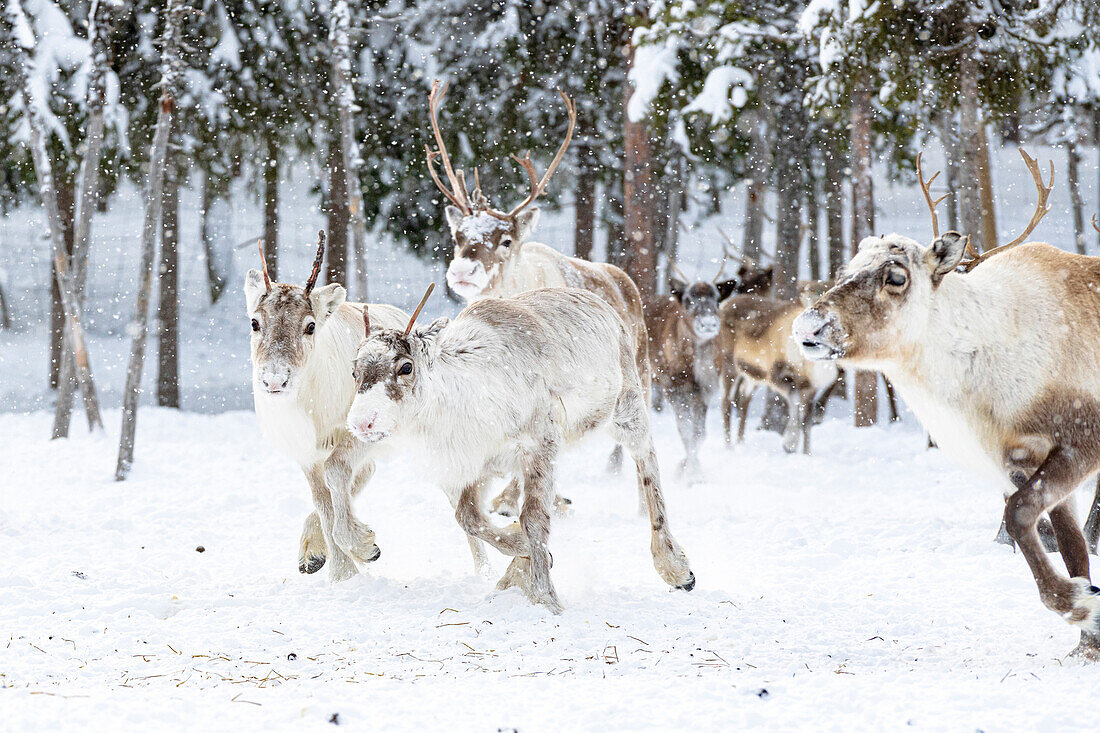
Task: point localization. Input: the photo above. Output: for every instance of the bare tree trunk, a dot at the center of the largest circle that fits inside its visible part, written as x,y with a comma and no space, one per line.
63,276
5,315
1096,126
212,234
813,217
834,202
616,235
985,188
970,199
641,260
950,142
584,208
336,207
675,208
345,100
61,361
756,189
865,384
1073,162
154,182
168,370
271,210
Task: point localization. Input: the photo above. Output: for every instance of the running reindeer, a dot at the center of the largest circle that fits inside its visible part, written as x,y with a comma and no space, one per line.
303,339
493,256
999,357
497,392
682,327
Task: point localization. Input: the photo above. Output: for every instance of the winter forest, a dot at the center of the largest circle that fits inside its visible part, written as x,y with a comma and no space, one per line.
806,290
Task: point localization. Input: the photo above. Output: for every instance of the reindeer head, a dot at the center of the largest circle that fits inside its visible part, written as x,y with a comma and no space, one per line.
284,322
485,239
388,366
700,300
883,300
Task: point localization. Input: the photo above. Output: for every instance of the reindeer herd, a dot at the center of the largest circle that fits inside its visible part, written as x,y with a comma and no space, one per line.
997,354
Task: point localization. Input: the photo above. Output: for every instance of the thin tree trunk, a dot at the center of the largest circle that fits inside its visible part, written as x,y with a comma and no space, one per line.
675,208
5,315
756,189
970,200
813,216
336,207
62,366
345,96
63,275
212,233
985,188
154,182
584,208
168,370
950,142
271,210
641,255
1096,126
616,235
87,198
834,202
865,384
1073,162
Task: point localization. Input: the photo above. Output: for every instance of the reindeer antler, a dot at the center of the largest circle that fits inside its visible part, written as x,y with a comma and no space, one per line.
263,261
316,262
679,273
722,267
925,187
416,313
366,322
458,193
1041,209
1095,225
538,185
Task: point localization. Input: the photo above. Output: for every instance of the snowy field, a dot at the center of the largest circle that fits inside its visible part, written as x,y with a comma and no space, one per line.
855,589
858,588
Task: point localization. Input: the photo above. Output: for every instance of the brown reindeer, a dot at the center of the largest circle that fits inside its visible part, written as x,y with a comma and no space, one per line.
493,257
999,357
755,346
682,327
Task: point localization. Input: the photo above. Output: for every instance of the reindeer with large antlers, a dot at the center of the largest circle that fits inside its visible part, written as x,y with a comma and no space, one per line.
303,343
493,256
999,357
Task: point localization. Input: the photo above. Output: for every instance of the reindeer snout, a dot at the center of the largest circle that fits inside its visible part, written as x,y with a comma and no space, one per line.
365,427
275,382
818,335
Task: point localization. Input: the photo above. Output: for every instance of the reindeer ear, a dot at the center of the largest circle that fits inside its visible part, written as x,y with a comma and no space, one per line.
944,255
254,289
726,288
525,224
454,218
326,300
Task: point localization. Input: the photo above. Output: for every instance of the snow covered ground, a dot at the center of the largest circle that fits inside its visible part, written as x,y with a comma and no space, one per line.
858,588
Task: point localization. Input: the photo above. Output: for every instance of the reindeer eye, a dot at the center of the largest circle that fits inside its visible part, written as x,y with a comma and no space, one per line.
405,368
310,328
896,277
255,325
505,241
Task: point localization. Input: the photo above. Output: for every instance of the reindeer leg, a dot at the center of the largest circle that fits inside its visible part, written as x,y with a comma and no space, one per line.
822,402
1075,599
534,518
340,565
311,549
347,466
508,540
744,399
615,460
791,432
686,405
506,504
632,424
891,399
806,419
1044,528
1092,524
728,390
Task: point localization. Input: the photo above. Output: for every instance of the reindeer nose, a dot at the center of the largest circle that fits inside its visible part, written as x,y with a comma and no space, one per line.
275,384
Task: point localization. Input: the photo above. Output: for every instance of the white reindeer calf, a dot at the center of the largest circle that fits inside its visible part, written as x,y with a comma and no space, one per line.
497,392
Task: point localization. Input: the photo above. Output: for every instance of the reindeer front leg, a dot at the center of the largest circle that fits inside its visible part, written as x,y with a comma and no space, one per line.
349,464
311,549
534,518
1075,599
340,565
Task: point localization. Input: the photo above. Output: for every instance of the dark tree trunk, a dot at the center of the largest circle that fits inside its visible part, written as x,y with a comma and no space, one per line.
641,255
789,162
271,210
813,216
168,368
65,203
756,189
834,202
1073,163
985,188
865,383
675,194
336,206
584,209
970,195
950,142
5,316
215,277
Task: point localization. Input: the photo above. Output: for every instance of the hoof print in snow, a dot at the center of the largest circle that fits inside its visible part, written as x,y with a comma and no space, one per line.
78,574
311,566
762,693
335,719
200,548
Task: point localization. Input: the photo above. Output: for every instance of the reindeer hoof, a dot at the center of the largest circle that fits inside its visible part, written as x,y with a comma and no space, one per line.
689,585
376,554
310,565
